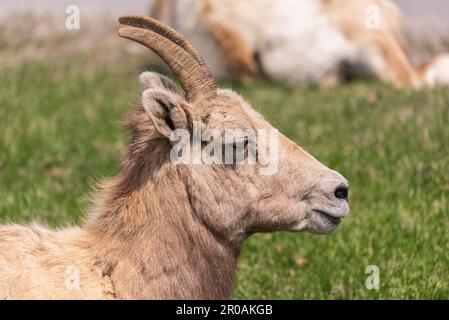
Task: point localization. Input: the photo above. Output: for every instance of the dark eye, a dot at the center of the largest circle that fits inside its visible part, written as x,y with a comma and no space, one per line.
243,144
248,151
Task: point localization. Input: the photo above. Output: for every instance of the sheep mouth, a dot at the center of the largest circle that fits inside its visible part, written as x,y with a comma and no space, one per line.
328,216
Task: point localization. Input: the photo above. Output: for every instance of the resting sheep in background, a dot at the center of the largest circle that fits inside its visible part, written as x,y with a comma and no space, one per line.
166,230
300,42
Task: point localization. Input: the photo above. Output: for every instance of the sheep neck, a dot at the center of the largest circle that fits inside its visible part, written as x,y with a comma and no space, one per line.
152,243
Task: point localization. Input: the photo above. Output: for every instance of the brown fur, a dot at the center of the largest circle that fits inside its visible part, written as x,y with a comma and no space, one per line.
161,230
238,32
163,10
238,56
388,39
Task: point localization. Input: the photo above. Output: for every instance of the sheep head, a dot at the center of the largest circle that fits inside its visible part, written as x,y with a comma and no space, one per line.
283,188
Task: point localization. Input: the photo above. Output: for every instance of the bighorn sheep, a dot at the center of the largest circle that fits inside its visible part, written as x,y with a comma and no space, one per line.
301,41
166,230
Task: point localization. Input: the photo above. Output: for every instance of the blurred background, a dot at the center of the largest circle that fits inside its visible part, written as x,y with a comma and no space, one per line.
63,93
425,23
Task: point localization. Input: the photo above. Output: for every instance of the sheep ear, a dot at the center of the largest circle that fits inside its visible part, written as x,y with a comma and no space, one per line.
154,80
164,111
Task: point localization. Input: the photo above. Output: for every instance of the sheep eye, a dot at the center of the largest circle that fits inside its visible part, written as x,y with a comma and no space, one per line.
238,143
243,149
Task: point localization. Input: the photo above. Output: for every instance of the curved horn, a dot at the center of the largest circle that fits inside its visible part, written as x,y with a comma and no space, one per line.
164,30
195,78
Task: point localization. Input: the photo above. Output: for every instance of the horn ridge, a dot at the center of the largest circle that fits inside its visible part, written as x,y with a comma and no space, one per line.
163,30
195,83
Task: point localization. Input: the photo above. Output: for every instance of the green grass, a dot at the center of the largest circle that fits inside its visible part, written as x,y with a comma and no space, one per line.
60,132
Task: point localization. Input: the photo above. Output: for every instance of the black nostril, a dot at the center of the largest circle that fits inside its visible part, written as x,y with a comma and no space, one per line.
341,193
